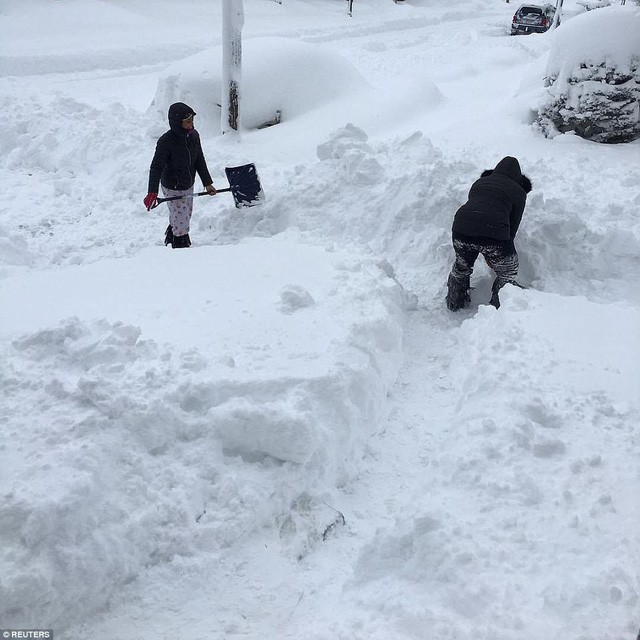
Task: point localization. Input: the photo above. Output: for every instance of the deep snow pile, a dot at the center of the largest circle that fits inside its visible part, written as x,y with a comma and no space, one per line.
195,399
205,450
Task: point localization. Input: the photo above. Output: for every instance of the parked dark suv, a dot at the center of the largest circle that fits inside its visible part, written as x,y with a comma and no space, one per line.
532,18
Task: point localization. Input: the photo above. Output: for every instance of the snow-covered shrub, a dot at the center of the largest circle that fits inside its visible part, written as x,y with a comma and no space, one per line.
593,77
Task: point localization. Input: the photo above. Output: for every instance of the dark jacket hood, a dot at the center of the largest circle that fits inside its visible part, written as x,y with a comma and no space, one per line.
178,111
510,167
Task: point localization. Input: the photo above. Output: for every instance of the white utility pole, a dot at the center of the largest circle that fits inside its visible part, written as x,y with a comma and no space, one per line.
232,23
558,14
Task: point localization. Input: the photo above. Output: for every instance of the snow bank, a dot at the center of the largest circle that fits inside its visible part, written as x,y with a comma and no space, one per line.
186,405
535,424
394,198
537,454
397,197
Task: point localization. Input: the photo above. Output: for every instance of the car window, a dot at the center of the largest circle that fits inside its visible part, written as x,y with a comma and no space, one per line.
523,11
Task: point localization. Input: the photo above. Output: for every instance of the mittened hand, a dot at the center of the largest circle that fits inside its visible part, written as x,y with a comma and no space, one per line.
150,200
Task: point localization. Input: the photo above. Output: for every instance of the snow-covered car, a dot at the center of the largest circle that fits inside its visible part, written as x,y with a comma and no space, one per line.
532,18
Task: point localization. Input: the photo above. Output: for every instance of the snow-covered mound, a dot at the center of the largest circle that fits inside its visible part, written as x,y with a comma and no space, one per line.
397,197
279,76
196,397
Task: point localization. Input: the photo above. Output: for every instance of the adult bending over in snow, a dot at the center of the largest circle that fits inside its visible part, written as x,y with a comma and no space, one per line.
177,159
487,223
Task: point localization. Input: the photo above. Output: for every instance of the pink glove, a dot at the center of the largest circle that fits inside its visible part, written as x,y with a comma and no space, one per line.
150,200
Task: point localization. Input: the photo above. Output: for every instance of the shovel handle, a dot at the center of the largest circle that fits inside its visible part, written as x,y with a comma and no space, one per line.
191,195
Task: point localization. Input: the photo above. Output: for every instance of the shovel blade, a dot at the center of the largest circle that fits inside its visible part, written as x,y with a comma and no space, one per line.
245,185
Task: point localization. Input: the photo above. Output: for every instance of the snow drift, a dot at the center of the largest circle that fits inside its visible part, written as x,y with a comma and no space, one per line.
176,417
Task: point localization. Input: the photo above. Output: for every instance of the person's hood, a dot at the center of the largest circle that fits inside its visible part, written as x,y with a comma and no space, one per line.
178,111
510,167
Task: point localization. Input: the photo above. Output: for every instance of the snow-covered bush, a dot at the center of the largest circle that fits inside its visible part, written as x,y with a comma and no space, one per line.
593,77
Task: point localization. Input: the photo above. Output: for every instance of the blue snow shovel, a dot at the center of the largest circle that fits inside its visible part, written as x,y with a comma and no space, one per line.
244,186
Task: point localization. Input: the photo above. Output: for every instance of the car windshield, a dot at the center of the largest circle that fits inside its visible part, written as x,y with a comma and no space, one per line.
530,11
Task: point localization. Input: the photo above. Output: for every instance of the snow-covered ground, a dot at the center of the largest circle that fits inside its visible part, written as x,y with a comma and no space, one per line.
281,432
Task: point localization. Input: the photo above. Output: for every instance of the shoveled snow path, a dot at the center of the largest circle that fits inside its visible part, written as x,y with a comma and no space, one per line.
275,585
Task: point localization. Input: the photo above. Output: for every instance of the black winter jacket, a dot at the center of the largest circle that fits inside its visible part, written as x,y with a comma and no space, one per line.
495,204
178,155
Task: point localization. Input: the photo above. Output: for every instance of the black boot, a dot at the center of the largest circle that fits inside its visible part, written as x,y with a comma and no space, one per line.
495,300
181,242
168,236
457,292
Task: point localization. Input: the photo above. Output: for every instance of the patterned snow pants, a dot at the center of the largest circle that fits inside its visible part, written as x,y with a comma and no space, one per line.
179,210
500,255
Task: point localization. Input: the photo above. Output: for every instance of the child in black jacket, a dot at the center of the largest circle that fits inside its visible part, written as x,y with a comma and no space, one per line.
177,159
